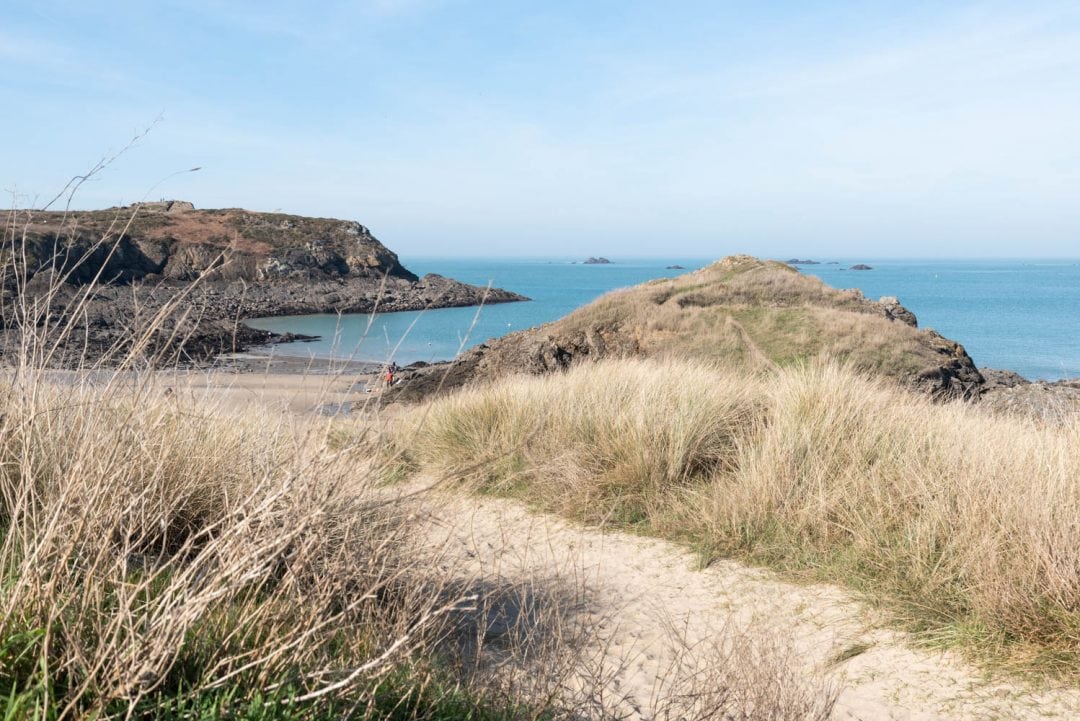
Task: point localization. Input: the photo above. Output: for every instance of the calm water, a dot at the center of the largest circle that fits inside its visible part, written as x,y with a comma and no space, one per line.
1022,315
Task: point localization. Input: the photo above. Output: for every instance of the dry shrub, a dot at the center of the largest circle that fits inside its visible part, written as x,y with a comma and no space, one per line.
741,674
161,558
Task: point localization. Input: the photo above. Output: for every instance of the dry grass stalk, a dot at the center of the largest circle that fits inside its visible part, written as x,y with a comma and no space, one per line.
155,550
740,674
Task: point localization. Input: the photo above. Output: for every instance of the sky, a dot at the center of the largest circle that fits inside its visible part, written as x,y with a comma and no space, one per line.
609,127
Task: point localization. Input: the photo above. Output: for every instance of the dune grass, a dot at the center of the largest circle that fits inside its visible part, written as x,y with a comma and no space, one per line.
163,557
606,443
157,557
964,524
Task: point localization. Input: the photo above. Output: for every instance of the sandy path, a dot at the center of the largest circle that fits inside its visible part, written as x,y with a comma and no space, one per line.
641,586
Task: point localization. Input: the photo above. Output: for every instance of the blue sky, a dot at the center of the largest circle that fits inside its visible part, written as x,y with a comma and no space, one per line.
566,128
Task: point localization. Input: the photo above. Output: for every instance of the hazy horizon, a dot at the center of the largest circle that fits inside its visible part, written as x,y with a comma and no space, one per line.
460,128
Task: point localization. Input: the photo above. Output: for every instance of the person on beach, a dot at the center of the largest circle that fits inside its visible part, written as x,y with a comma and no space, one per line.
390,371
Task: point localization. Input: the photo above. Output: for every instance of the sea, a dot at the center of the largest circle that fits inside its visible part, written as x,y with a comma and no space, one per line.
1021,315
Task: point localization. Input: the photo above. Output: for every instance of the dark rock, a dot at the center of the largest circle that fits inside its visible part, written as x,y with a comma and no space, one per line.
890,306
597,261
861,266
796,261
675,267
955,376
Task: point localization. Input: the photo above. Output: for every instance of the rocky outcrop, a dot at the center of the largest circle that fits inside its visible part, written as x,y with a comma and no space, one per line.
953,374
890,306
198,273
997,379
597,261
861,266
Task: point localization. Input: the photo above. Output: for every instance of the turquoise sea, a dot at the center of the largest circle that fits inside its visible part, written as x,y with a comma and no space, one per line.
1023,315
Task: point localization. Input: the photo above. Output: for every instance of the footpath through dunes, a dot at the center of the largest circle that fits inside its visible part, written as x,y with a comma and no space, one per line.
960,524
191,276
669,640
739,312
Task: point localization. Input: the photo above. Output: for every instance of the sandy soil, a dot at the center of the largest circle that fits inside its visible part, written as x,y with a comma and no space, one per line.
639,589
299,393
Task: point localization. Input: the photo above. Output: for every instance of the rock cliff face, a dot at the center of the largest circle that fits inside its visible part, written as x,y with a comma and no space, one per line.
739,312
198,273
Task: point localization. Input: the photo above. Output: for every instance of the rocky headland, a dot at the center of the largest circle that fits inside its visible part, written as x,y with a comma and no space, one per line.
185,279
740,312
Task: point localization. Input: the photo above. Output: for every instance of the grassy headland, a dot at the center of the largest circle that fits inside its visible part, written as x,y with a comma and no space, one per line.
738,313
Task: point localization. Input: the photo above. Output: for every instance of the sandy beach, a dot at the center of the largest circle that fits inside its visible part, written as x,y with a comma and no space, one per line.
240,381
284,383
